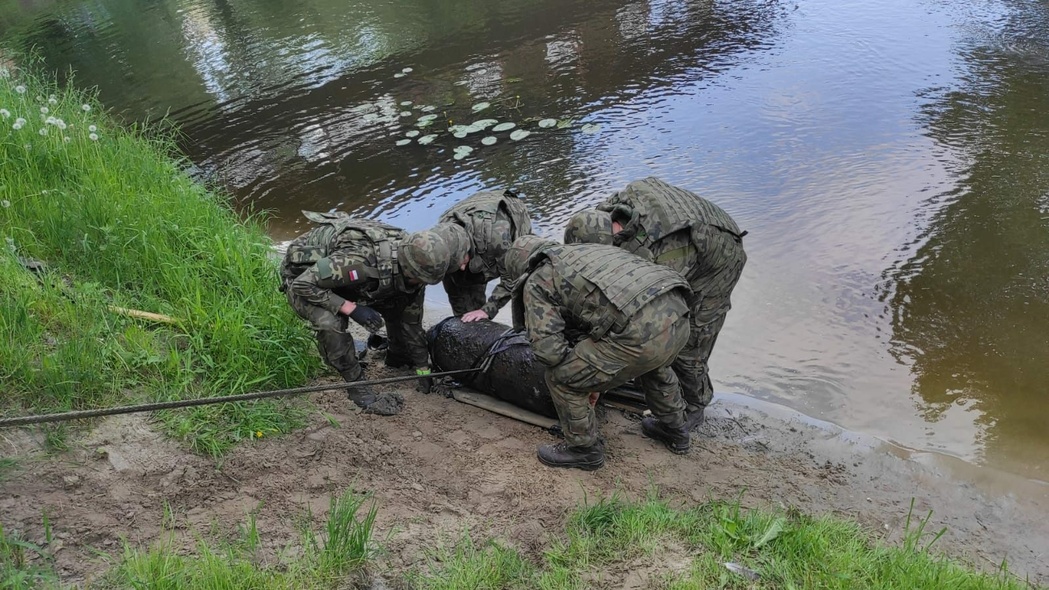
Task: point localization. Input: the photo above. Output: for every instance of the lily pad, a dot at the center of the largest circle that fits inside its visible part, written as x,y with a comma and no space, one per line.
401,142
426,139
463,148
484,123
481,106
407,70
460,134
459,155
519,134
547,123
406,113
564,123
427,118
399,75
591,128
412,133
428,108
424,122
503,127
490,140
406,103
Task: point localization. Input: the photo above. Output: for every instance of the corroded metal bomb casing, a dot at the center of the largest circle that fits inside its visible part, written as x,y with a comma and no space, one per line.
514,376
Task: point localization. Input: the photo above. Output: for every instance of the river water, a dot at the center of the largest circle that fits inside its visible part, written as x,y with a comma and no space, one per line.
889,159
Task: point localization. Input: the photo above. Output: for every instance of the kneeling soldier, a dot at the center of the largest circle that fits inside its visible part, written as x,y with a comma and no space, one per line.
367,271
634,320
683,231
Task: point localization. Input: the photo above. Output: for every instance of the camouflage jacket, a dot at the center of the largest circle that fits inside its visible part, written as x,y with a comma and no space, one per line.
345,259
667,225
585,289
493,220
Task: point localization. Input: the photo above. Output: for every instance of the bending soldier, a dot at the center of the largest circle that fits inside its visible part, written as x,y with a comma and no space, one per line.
634,319
367,271
682,231
493,220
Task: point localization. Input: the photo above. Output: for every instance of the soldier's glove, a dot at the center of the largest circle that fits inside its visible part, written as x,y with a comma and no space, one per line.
368,318
424,385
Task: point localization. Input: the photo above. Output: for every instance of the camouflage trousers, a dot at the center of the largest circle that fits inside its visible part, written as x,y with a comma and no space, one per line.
403,317
709,306
642,351
466,291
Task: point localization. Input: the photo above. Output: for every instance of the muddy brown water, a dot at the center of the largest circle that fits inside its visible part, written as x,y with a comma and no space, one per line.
888,158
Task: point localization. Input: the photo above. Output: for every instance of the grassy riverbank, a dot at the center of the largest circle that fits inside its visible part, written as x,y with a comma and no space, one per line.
603,544
117,225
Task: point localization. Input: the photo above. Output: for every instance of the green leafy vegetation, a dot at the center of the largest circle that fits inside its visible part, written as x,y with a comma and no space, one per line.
96,220
715,545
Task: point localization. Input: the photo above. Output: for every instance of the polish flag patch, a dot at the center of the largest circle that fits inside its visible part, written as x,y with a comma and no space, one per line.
353,275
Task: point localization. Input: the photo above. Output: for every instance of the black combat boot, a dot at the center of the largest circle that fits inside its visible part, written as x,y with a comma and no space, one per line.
694,417
675,439
562,455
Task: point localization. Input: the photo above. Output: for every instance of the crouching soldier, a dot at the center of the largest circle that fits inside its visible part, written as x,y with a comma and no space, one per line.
683,231
370,272
633,320
493,220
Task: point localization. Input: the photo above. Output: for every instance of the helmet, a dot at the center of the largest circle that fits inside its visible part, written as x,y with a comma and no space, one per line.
427,256
457,240
590,226
521,252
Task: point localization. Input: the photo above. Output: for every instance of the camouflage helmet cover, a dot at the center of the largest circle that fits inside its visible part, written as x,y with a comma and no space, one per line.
458,241
427,256
590,227
521,252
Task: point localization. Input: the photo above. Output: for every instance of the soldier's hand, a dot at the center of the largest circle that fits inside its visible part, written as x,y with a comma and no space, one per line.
593,397
368,318
475,315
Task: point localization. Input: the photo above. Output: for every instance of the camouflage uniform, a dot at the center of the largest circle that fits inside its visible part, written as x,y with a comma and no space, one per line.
630,315
493,220
349,259
680,230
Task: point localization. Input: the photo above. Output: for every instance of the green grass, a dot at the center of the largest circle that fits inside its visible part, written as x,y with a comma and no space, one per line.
335,558
118,223
23,564
679,549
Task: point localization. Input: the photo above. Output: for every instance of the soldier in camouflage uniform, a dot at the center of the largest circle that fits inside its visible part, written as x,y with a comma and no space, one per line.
631,318
367,271
681,230
493,220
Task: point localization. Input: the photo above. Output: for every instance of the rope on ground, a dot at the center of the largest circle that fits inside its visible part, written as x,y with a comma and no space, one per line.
80,414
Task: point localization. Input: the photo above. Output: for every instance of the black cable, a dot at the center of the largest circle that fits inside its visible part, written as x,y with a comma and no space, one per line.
79,414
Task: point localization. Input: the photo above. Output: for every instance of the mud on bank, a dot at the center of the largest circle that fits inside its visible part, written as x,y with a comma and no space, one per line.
442,467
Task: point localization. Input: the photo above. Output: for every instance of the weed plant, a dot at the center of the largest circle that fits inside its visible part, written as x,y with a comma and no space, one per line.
715,545
117,223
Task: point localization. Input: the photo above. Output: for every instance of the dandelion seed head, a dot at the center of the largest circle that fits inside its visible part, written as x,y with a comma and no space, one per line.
92,128
43,131
60,124
5,203
50,121
67,139
93,137
5,113
20,121
11,244
52,100
5,73
86,107
44,110
20,89
16,126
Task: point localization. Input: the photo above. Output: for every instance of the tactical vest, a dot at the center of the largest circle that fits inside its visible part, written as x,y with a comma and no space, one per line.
477,214
628,282
665,209
337,231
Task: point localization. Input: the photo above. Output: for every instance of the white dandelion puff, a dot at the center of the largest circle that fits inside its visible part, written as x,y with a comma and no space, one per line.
44,110
5,113
5,73
92,128
20,121
50,121
67,139
5,203
20,89
52,100
60,124
86,107
16,126
93,137
43,131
